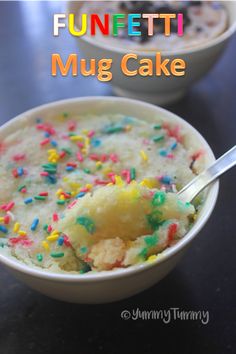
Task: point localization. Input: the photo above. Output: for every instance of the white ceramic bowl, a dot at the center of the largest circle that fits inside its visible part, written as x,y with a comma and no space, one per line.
118,284
161,90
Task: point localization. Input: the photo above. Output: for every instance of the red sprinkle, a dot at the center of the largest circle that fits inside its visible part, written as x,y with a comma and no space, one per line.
70,206
62,154
79,157
49,228
71,126
104,158
85,190
7,219
15,173
72,164
171,232
44,174
101,182
18,157
9,206
197,155
91,133
114,158
80,144
24,190
43,194
45,142
94,157
55,217
66,241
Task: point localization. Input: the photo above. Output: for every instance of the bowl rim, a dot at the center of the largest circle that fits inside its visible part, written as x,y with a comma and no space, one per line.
185,51
206,211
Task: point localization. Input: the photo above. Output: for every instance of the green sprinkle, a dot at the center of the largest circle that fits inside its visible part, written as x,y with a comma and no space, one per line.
67,150
21,187
39,197
49,165
157,126
117,128
83,249
143,253
39,257
50,170
151,240
158,199
85,267
87,223
61,202
87,170
132,173
158,138
72,134
154,219
65,115
57,254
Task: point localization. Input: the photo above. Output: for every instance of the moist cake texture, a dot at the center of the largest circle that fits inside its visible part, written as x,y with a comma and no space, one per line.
83,193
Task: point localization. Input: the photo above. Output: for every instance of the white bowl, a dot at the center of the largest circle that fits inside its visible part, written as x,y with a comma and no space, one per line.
118,284
160,90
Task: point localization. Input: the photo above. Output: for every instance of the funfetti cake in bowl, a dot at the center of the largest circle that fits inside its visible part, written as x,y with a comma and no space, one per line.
207,26
89,210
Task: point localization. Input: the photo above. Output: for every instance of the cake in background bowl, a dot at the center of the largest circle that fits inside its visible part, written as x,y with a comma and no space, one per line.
202,20
208,25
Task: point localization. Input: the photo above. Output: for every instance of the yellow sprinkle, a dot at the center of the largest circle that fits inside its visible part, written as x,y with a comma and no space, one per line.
76,138
134,182
110,184
87,141
84,151
118,181
147,183
1,219
55,232
151,258
22,233
59,191
128,128
53,237
106,170
98,164
62,197
65,179
16,227
143,155
88,185
85,131
52,151
45,245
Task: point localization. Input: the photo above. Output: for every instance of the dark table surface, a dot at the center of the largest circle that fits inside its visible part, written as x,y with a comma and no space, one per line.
205,278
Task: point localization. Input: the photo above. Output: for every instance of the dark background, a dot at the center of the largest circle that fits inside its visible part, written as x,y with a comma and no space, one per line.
204,280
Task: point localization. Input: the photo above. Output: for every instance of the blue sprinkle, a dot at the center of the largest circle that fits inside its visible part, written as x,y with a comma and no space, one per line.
28,200
80,195
47,135
127,120
38,120
163,152
166,180
51,179
60,241
95,142
174,145
3,229
54,143
69,168
20,171
34,224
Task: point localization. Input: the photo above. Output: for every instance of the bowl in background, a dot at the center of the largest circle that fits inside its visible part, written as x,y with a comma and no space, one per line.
160,90
111,285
